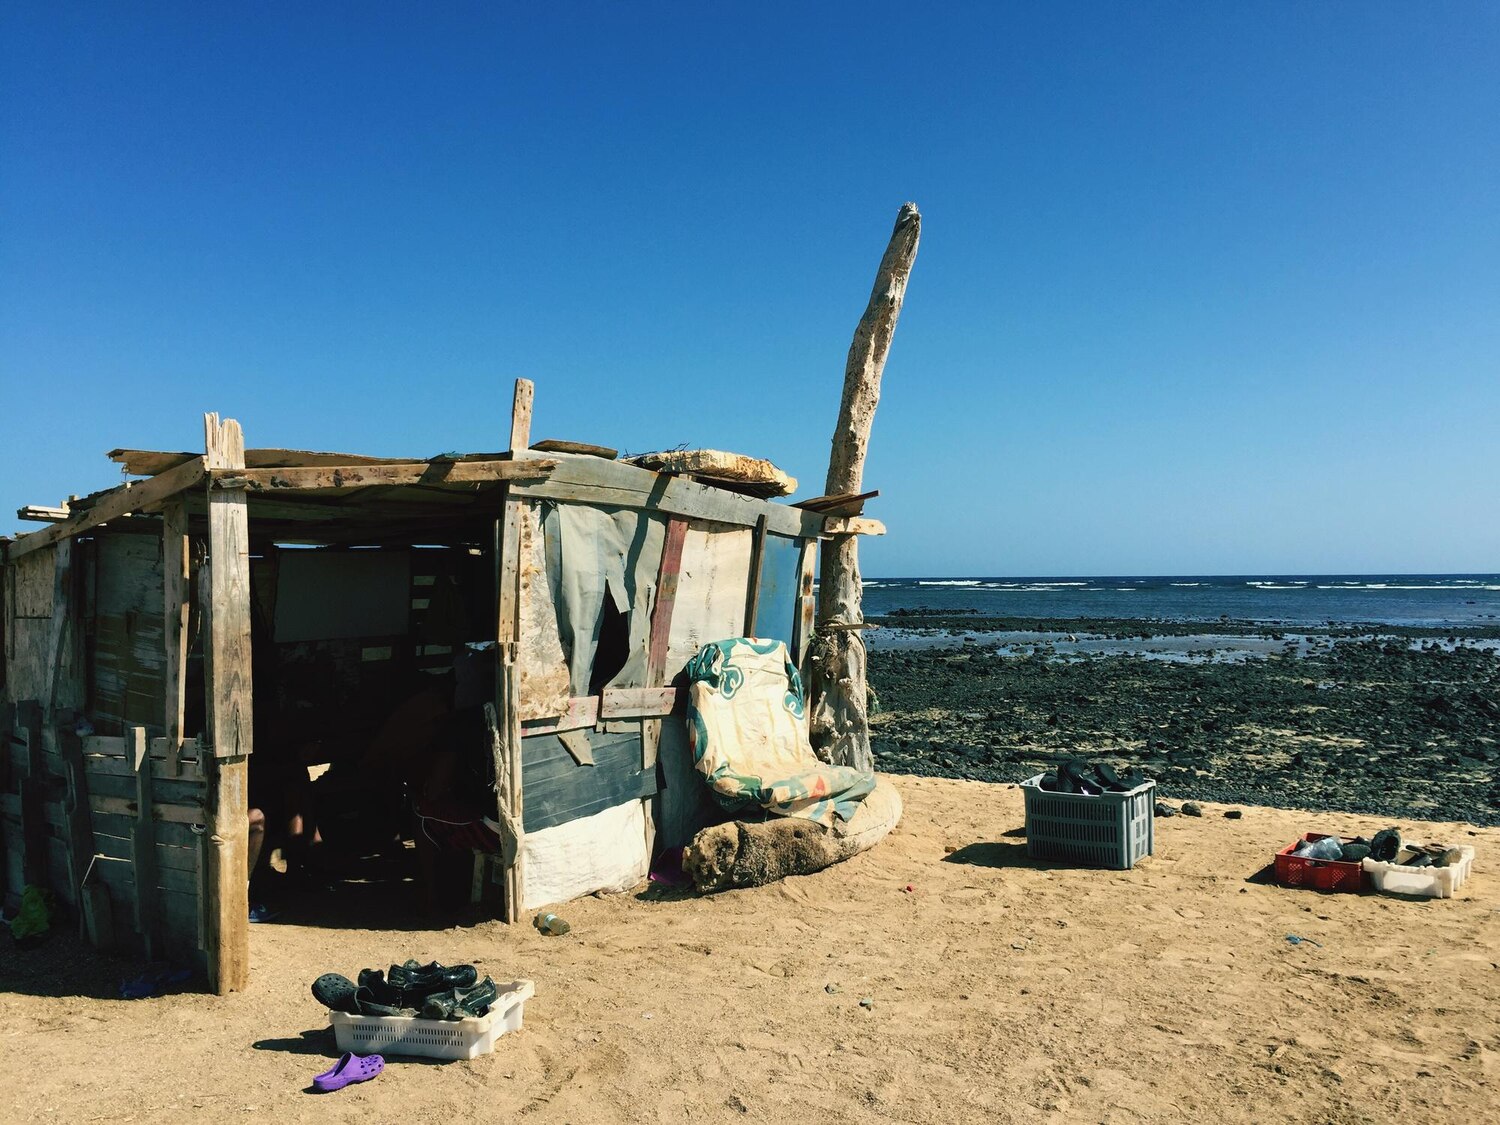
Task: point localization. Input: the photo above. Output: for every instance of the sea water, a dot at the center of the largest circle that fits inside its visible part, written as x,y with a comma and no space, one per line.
1425,600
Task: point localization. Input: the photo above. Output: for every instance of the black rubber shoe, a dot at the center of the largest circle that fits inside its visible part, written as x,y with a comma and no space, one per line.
335,992
459,1002
367,1004
417,982
1385,845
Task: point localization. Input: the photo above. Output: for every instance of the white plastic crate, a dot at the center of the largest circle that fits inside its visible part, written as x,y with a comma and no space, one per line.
1427,882
434,1039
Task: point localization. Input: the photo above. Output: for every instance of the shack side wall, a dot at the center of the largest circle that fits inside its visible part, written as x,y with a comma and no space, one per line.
71,794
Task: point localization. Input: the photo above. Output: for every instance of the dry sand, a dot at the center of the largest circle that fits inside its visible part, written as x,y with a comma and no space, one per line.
1002,990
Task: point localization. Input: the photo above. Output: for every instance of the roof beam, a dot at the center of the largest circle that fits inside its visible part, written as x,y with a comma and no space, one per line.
121,501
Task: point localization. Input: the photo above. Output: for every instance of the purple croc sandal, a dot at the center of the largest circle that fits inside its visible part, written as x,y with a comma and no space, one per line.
350,1068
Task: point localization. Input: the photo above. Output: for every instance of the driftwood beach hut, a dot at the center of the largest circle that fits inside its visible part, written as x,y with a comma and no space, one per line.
138,626
134,626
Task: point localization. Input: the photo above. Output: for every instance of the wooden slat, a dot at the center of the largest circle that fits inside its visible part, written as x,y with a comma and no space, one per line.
853,525
81,834
839,504
40,513
583,711
226,911
636,703
175,610
176,814
591,480
379,476
119,502
143,844
33,795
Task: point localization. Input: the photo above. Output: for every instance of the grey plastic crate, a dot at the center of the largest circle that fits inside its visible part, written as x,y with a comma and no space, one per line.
1110,830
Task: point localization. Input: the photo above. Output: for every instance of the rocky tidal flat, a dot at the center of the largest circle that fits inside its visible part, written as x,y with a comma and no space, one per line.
1399,724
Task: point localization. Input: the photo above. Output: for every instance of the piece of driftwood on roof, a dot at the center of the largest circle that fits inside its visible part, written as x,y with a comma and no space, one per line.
843,504
555,445
751,475
591,480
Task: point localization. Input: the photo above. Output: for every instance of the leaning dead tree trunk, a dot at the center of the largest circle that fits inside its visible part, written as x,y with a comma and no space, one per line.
840,722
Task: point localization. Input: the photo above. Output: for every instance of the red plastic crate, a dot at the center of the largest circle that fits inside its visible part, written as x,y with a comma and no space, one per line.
1319,874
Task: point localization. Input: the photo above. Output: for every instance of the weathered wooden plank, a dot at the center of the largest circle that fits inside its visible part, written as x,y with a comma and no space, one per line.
576,743
161,768
113,746
226,929
559,790
33,795
667,575
637,703
520,415
40,513
121,501
841,504
120,876
591,480
509,784
143,844
379,476
169,833
583,711
178,814
168,858
853,525
175,612
807,605
80,825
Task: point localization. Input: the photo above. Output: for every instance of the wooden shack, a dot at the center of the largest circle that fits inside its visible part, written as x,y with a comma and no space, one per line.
134,623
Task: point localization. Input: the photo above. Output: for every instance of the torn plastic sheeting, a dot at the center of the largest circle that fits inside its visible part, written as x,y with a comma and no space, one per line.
603,552
608,851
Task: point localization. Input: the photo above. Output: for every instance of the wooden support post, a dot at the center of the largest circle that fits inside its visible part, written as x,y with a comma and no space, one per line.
228,690
840,725
143,842
93,896
33,797
508,781
661,630
175,607
520,416
807,604
757,559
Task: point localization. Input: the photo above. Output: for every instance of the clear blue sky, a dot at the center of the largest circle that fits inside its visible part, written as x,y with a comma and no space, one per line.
1203,288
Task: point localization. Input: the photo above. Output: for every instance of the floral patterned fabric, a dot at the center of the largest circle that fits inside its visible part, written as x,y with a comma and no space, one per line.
748,726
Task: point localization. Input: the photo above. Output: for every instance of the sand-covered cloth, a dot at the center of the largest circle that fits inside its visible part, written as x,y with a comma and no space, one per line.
748,727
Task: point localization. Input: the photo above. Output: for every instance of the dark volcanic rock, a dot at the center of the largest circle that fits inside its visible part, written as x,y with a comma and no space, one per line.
1373,726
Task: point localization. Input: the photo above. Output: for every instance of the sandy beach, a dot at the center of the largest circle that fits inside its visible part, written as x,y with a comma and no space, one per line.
1000,990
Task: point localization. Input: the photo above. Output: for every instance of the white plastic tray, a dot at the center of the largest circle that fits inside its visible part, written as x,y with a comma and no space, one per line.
1428,882
434,1039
